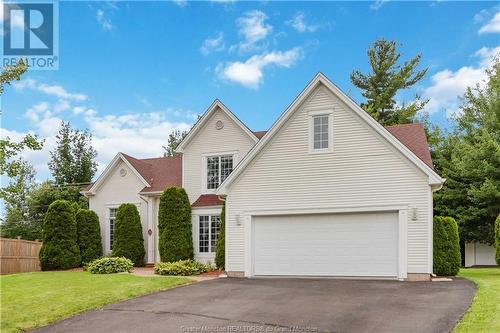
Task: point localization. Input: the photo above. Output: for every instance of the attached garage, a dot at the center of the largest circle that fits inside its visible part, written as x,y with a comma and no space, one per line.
365,244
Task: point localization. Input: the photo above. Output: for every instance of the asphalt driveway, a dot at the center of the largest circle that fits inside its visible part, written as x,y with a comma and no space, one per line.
276,305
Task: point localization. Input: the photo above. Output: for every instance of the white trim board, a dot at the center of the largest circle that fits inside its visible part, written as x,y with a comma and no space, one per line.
434,178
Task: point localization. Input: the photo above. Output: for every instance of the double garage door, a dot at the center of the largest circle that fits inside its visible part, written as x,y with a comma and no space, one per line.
363,244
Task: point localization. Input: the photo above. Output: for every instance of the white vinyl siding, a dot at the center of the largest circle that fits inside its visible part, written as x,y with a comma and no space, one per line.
362,170
212,142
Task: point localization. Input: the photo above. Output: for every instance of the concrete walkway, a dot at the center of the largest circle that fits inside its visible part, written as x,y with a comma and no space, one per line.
276,305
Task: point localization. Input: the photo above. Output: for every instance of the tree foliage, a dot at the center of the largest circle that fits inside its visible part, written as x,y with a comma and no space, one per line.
73,159
386,79
469,159
60,249
446,249
220,249
128,241
174,138
89,235
174,223
11,73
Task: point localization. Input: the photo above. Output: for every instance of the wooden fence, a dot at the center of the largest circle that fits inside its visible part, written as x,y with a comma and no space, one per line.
19,255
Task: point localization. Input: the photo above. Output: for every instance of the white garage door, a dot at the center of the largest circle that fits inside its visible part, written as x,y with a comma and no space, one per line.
326,245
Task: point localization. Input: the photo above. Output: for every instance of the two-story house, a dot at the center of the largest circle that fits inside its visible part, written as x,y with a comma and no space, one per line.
326,191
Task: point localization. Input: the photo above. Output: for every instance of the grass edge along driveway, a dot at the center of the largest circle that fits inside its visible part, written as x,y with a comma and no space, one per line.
31,300
484,313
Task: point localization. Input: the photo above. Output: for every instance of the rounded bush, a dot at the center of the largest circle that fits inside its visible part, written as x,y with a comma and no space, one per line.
59,248
110,265
220,247
174,223
89,235
128,241
447,259
497,240
182,267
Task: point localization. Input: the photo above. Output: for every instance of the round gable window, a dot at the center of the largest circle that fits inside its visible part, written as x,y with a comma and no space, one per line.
123,172
219,125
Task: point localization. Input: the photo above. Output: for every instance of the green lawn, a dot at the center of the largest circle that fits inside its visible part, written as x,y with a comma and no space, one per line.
32,300
484,314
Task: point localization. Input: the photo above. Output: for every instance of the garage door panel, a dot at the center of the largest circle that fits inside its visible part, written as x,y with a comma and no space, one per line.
335,244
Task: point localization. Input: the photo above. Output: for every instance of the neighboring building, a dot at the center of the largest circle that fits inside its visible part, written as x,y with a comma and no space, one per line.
479,254
327,191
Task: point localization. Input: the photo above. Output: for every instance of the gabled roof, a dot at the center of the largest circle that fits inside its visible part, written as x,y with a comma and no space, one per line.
259,134
414,138
155,173
320,78
199,124
206,200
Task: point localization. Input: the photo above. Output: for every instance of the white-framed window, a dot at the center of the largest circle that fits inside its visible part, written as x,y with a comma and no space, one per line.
208,233
320,135
218,168
112,217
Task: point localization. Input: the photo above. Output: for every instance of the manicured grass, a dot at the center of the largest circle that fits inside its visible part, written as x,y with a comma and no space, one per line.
32,300
484,314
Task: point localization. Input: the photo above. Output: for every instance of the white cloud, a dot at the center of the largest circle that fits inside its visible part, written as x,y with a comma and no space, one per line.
214,44
253,28
448,85
298,23
103,21
376,5
493,26
250,73
53,90
181,3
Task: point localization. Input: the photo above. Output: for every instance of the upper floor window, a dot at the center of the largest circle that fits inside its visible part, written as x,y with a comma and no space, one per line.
321,133
218,169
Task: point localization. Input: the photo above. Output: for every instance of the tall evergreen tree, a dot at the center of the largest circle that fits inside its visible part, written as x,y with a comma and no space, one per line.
59,248
174,223
386,79
174,138
469,159
89,235
128,240
220,248
73,159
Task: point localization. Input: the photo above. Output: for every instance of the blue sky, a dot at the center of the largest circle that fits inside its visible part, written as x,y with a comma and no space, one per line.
131,72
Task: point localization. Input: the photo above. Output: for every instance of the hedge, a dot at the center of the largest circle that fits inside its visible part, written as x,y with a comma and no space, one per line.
89,235
497,240
128,241
220,248
447,259
174,223
110,265
59,248
181,267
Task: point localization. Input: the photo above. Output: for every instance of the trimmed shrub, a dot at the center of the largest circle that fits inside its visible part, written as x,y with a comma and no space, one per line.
128,241
182,267
59,248
220,248
89,235
447,259
497,240
174,223
110,265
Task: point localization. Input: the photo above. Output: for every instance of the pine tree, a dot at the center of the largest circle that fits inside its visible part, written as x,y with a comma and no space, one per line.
385,80
89,235
73,160
128,240
60,248
174,223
